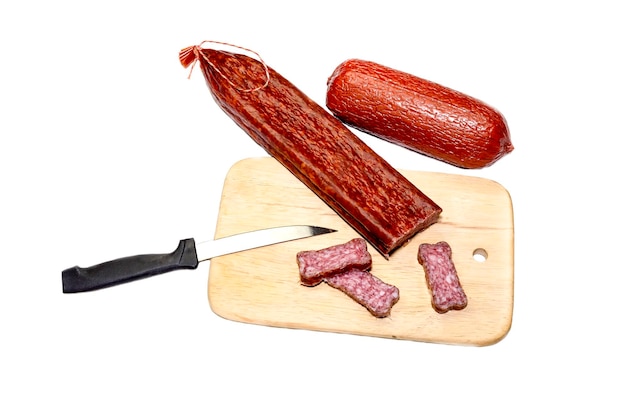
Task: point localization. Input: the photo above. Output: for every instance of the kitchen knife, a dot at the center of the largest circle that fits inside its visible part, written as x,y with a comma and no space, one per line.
186,256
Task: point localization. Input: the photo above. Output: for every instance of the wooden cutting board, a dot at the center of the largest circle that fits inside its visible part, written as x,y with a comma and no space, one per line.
261,286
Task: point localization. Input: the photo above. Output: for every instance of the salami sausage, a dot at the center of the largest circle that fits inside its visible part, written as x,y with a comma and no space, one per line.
315,265
417,114
366,289
441,277
366,191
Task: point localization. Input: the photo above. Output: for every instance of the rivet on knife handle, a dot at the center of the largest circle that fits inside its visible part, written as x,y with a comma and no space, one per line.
127,269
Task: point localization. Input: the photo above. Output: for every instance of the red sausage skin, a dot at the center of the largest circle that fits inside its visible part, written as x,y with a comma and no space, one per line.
417,114
376,200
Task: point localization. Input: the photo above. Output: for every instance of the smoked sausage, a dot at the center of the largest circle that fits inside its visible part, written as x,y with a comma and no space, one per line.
441,277
366,191
417,114
315,265
367,290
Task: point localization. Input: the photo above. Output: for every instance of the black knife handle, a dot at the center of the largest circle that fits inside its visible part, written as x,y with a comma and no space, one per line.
124,270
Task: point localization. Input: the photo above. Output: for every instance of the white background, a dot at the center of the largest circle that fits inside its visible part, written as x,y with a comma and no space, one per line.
109,150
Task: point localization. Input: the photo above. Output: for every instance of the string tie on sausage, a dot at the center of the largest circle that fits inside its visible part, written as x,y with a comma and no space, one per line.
192,54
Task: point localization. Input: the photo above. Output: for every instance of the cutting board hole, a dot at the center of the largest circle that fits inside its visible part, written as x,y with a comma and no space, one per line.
480,255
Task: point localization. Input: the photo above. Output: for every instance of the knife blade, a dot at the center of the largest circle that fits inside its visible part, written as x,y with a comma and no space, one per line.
186,256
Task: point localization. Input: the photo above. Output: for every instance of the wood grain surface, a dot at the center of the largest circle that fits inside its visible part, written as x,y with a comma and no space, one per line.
261,286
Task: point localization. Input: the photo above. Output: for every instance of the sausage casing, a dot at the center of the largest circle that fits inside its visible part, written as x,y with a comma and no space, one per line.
365,190
417,114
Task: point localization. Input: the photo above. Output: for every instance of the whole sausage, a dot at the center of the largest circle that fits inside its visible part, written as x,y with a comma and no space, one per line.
371,196
417,114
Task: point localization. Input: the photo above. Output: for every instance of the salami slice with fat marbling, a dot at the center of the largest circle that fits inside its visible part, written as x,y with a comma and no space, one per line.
441,277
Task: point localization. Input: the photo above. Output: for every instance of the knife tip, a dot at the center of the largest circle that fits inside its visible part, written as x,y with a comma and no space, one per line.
318,230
